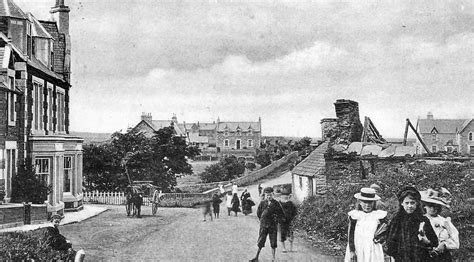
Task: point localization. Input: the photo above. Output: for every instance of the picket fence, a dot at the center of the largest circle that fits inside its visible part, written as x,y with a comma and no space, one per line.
119,198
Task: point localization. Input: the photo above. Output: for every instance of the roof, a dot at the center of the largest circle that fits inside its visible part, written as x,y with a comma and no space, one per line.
196,138
37,29
10,9
232,126
207,126
39,65
313,164
443,126
465,124
159,124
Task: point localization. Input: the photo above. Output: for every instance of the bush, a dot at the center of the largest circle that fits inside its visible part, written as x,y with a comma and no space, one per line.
327,216
27,246
263,158
29,187
250,166
227,169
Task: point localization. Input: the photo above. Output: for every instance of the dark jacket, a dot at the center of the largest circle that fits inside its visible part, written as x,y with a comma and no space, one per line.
289,210
269,213
402,237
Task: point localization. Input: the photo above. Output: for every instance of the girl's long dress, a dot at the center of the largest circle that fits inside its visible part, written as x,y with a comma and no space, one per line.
365,248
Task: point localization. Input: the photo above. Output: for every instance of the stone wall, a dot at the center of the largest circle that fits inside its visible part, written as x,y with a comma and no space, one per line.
12,215
348,121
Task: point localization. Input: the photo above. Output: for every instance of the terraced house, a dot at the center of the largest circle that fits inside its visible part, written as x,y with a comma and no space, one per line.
34,106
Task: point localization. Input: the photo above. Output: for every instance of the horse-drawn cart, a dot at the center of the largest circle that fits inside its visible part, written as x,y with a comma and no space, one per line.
135,193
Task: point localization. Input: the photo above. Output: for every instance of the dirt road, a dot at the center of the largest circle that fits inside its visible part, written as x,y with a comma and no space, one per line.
178,234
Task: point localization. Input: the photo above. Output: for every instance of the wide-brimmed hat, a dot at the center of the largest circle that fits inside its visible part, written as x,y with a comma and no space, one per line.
367,194
432,196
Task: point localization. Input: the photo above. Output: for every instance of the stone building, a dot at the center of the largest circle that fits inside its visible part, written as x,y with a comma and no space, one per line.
34,109
216,139
449,135
241,139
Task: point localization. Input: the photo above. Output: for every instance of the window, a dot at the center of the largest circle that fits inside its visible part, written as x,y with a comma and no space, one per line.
226,132
37,106
433,136
250,143
470,136
449,149
226,142
68,175
301,182
43,168
50,108
250,132
434,149
239,133
60,112
11,97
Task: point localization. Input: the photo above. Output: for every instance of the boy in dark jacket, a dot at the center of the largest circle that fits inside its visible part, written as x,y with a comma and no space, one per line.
269,212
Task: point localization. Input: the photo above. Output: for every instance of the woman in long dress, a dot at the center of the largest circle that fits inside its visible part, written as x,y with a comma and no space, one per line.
235,204
367,228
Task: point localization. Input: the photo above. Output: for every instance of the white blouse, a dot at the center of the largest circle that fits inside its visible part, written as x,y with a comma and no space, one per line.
445,231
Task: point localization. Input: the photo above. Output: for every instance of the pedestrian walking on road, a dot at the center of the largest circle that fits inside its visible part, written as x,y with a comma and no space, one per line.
206,209
260,189
138,204
269,212
286,227
448,235
247,203
228,202
367,228
235,204
410,235
216,202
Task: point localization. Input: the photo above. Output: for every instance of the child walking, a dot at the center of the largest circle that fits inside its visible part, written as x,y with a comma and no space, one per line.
448,235
410,236
367,228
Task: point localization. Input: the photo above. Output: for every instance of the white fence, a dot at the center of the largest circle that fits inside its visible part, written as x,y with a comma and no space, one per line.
110,198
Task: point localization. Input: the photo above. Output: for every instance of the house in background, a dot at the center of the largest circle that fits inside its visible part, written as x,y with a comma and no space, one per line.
148,126
34,111
449,135
216,139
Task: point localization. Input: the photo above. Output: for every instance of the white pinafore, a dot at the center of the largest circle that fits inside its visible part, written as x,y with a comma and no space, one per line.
365,248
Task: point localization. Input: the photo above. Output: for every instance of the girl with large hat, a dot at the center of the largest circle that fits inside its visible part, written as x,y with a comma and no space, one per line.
367,227
448,236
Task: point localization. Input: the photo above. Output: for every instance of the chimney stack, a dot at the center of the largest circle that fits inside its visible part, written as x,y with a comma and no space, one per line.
350,127
146,117
429,116
60,14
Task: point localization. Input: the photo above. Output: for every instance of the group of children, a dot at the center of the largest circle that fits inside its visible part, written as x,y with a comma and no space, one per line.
411,235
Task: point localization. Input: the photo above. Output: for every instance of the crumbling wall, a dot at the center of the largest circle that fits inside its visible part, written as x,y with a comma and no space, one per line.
348,121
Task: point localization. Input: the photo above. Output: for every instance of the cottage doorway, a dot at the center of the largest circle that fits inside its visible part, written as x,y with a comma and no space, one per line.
237,144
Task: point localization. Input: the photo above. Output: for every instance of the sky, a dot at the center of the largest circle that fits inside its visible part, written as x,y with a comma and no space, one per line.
284,61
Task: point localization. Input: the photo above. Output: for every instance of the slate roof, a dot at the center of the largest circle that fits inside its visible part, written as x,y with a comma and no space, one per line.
443,126
37,29
11,9
465,124
207,126
244,126
196,138
159,124
313,164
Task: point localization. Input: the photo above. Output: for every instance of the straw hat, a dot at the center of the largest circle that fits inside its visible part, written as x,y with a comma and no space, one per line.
368,194
432,196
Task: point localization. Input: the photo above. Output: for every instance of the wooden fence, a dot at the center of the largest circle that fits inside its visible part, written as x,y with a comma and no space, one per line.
168,199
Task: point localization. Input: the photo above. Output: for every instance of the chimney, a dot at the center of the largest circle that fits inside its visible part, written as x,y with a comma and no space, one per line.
350,127
174,119
146,117
429,116
328,129
60,14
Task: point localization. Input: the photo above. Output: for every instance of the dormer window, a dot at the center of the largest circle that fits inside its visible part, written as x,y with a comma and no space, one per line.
226,131
434,134
250,131
239,133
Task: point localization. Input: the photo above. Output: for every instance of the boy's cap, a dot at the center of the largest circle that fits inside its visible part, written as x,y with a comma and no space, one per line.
268,190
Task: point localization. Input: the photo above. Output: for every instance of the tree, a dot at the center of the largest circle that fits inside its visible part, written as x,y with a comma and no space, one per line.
213,173
226,169
27,186
156,159
263,158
